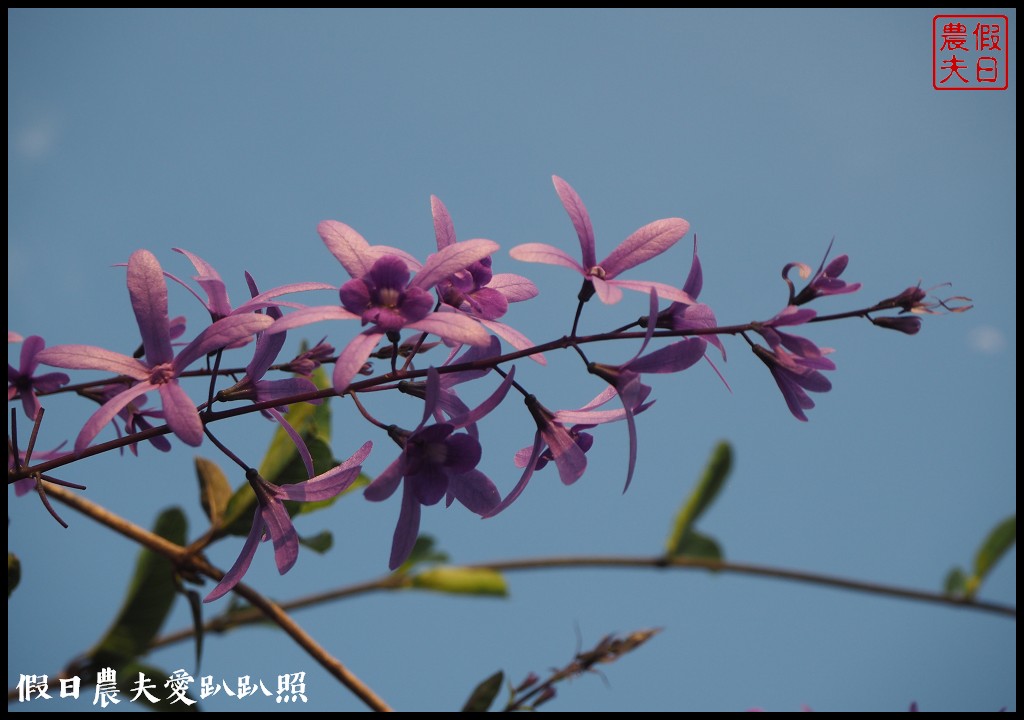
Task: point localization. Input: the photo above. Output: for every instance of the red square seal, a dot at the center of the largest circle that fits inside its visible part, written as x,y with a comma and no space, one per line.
970,52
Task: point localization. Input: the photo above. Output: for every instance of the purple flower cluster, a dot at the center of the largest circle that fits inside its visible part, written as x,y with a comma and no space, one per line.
455,301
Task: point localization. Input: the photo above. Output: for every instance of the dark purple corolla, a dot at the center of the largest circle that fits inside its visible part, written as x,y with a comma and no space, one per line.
436,461
387,298
23,383
476,291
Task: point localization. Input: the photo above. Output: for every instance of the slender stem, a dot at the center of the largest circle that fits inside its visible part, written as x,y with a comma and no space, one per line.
399,582
362,411
181,557
224,449
576,318
565,342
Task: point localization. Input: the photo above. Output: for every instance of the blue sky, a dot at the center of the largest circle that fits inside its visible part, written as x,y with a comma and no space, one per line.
233,133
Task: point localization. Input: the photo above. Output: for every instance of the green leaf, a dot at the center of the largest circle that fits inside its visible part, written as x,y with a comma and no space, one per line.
127,682
320,543
1000,539
461,581
13,572
699,546
483,695
214,489
708,487
956,582
149,598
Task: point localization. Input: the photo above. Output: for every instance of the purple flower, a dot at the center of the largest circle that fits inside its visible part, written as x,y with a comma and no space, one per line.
382,295
691,315
806,352
436,461
559,446
795,362
649,241
24,383
793,379
272,520
218,304
148,291
625,378
476,291
825,282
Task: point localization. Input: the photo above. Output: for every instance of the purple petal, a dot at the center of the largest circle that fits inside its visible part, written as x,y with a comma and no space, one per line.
29,361
672,358
347,245
351,359
487,303
300,444
489,404
453,327
695,279
531,463
452,259
432,396
406,531
514,338
475,491
463,454
107,412
649,241
30,404
322,487
181,414
591,417
354,253
631,424
88,357
263,299
233,576
665,292
569,458
514,287
267,348
309,315
792,315
48,382
607,291
210,281
542,253
223,333
148,291
580,219
385,484
444,229
357,457
282,532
